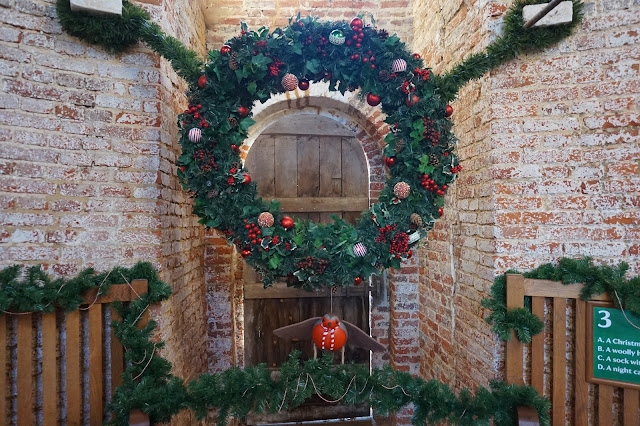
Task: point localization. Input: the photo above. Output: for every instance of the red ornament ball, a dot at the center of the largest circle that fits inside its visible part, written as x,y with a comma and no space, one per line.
195,135
357,281
416,56
390,162
411,100
225,49
303,84
243,111
360,250
372,99
265,220
440,211
202,81
247,179
402,190
448,112
287,223
356,22
289,82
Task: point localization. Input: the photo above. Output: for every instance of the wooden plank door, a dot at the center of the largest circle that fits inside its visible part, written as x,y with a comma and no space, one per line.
315,168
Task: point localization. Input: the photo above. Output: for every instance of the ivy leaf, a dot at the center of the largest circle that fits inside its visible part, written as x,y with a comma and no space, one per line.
317,243
297,48
438,202
214,223
246,123
184,159
261,61
275,261
267,232
313,66
298,239
424,167
274,206
251,87
392,41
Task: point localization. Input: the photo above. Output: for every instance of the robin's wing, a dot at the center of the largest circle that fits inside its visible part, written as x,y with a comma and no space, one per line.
360,339
300,330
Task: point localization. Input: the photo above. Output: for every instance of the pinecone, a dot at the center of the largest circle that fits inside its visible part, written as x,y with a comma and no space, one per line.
416,219
400,144
383,34
433,160
232,121
384,75
335,289
233,61
213,193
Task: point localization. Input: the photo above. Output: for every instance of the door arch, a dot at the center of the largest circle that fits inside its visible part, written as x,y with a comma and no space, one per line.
315,167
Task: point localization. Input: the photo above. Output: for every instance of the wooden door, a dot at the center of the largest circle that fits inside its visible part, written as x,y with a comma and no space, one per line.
315,167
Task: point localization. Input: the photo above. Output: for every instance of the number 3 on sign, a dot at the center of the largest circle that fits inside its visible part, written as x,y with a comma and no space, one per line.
605,321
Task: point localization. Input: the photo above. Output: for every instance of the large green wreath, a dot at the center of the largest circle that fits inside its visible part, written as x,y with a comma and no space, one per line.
419,152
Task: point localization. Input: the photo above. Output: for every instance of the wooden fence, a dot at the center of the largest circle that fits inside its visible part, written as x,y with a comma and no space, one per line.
62,367
555,362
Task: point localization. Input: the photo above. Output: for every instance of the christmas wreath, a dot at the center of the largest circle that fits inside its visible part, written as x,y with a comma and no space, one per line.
419,151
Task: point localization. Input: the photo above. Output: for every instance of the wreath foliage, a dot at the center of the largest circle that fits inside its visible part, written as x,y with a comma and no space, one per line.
419,150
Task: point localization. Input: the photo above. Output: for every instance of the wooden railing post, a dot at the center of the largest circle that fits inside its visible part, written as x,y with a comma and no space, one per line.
515,299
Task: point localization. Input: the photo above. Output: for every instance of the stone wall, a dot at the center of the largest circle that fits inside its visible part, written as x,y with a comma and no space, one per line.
87,162
549,146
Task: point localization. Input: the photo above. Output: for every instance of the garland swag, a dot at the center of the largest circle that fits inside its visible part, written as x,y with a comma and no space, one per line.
419,150
151,387
597,279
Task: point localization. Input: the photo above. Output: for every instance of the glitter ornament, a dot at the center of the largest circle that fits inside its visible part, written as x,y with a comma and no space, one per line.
265,220
402,190
202,81
336,37
195,135
289,82
399,65
359,250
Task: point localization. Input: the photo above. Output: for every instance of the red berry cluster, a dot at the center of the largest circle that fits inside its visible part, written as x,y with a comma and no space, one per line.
207,160
382,237
400,244
428,183
456,169
261,43
425,74
194,110
274,67
389,161
317,265
408,87
430,131
254,232
357,36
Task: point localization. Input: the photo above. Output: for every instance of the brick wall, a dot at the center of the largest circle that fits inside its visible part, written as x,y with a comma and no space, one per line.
87,153
549,146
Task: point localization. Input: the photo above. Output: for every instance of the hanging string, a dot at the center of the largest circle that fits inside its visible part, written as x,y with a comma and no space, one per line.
148,362
623,312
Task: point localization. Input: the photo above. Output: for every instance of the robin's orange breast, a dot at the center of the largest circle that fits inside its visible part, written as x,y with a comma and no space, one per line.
330,339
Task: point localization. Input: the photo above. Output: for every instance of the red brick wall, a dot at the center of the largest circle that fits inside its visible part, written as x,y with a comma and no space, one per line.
549,146
87,153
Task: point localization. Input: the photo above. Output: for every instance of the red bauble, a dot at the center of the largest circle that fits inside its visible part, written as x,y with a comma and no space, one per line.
440,211
416,56
225,49
372,99
287,223
357,281
448,112
411,100
303,84
390,162
243,111
289,82
247,180
356,22
202,81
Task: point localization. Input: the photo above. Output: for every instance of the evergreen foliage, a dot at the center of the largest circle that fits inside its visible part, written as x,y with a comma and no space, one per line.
514,41
597,279
112,32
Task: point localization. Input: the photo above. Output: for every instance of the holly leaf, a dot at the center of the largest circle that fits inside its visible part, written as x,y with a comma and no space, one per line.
251,87
424,167
243,26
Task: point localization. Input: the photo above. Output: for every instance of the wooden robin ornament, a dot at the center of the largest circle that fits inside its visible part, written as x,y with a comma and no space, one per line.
329,333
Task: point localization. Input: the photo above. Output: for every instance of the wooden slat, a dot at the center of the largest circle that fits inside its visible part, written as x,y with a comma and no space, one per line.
73,369
286,167
527,416
25,372
49,370
581,385
138,418
631,414
537,348
323,204
559,360
280,290
307,124
330,172
605,405
533,287
308,166
355,176
117,355
261,165
3,369
140,287
95,365
117,293
515,299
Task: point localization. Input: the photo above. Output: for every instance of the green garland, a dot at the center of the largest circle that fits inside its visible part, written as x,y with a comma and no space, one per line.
419,151
148,384
597,279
